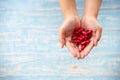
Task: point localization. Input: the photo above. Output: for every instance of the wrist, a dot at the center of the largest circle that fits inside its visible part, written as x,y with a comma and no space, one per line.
87,19
71,16
88,15
72,19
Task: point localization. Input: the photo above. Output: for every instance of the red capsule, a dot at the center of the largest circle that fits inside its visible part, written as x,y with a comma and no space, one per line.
82,47
74,37
84,32
89,31
80,30
88,41
77,28
83,43
81,37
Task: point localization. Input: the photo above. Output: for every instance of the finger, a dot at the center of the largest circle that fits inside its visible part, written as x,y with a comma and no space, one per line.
71,48
82,55
77,52
98,36
79,47
62,37
87,50
76,49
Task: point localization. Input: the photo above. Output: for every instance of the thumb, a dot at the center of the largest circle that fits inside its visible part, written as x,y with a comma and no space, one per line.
97,36
62,37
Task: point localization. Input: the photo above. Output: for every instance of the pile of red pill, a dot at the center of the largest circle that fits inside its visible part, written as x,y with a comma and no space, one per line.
81,37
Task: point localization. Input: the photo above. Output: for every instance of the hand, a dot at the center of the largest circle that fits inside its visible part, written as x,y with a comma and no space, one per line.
91,23
65,34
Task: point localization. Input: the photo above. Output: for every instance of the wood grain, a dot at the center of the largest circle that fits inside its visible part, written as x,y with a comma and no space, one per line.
30,50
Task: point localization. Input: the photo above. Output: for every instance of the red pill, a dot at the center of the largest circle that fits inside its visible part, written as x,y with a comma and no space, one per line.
81,37
82,47
84,32
83,43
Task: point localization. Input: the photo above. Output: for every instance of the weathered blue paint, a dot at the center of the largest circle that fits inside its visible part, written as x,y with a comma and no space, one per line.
29,46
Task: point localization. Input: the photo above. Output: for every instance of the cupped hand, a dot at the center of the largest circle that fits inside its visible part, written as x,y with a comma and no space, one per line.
91,23
65,33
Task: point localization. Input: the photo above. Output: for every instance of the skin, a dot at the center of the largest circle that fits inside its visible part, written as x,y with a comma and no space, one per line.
72,20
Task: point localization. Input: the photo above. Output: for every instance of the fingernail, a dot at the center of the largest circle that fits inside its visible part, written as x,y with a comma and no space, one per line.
78,58
82,56
96,43
75,55
62,45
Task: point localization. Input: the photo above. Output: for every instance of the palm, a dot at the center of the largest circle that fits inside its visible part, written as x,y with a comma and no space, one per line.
91,24
66,32
65,36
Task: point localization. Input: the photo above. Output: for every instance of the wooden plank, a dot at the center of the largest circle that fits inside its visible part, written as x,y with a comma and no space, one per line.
36,4
12,19
30,50
32,40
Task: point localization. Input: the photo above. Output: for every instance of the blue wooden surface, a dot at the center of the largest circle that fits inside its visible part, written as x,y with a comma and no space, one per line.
29,46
